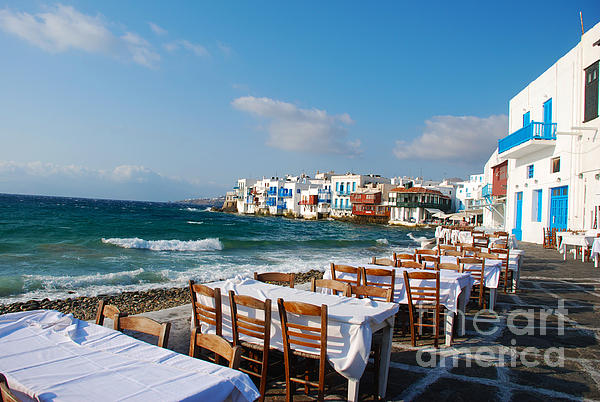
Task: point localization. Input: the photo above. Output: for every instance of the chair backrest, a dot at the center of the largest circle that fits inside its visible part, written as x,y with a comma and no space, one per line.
423,251
474,266
217,345
304,335
470,250
383,261
145,325
337,287
249,325
6,394
480,241
336,268
423,293
373,292
501,234
429,258
452,253
383,278
275,277
203,313
412,264
445,247
463,245
490,256
449,266
107,310
404,256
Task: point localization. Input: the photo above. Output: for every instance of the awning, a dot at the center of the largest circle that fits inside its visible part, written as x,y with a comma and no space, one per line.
433,210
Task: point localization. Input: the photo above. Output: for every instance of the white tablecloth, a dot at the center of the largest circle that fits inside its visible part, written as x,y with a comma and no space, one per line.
596,247
349,320
51,356
451,285
569,239
491,271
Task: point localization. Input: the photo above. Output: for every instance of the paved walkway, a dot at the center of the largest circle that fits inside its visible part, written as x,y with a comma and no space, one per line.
535,348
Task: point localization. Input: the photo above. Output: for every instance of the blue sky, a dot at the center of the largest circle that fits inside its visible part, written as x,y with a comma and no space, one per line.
167,100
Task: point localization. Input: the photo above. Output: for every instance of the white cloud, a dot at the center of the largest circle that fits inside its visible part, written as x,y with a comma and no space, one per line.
156,29
123,182
195,48
63,28
464,139
294,129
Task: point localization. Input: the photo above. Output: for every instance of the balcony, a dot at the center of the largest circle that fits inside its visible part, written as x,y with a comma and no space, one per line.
486,191
272,191
413,204
285,192
531,138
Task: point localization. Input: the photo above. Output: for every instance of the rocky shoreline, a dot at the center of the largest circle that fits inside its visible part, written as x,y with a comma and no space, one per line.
84,308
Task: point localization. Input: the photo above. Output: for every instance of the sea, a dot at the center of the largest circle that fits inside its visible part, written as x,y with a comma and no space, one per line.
56,247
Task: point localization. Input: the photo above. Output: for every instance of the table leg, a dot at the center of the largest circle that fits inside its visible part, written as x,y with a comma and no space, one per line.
386,352
492,303
449,325
596,261
353,390
462,307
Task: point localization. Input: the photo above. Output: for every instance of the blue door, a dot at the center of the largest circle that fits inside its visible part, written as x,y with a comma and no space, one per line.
548,118
559,207
518,215
526,119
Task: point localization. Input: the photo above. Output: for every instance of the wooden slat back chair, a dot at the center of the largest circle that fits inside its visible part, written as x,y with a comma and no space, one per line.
373,292
476,232
404,256
412,264
475,267
452,253
421,252
107,311
427,299
337,268
446,247
462,245
217,345
449,266
470,251
505,273
429,261
6,394
145,325
257,328
490,256
337,287
481,241
287,278
306,336
387,262
203,313
382,278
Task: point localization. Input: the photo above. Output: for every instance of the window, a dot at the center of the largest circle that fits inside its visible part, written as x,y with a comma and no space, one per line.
555,164
354,186
536,206
336,203
298,191
530,171
337,186
341,187
590,110
526,119
347,203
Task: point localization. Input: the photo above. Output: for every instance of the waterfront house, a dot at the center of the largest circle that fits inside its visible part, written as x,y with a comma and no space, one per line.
416,204
371,201
245,200
344,185
551,155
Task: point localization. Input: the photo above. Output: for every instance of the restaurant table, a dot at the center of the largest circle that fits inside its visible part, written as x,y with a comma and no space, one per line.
465,236
351,324
455,289
577,240
47,355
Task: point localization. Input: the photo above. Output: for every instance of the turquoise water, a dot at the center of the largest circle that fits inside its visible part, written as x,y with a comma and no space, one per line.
64,247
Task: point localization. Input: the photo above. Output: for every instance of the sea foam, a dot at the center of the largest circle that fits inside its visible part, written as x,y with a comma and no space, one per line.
167,245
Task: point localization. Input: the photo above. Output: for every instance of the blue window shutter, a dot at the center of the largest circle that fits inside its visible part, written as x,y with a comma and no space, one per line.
539,205
354,186
337,186
526,119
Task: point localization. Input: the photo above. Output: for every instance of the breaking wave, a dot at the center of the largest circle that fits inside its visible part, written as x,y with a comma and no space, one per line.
382,241
167,245
195,222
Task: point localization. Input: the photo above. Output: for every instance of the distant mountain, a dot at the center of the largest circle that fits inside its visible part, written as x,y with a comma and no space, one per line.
207,202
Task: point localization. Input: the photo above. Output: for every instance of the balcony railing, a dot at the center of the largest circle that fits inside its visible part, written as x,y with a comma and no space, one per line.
532,131
486,191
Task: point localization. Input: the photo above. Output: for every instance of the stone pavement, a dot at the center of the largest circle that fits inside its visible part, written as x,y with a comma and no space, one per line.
542,344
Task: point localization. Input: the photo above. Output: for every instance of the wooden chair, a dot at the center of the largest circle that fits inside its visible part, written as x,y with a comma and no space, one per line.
217,345
275,277
490,256
257,328
476,268
505,273
501,234
446,247
382,278
336,268
203,313
470,250
404,256
337,287
421,252
145,325
452,253
427,299
107,310
307,336
383,261
449,266
412,264
481,241
6,394
372,292
429,261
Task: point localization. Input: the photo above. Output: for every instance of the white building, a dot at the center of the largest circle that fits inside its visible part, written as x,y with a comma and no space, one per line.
553,147
244,196
344,185
468,193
